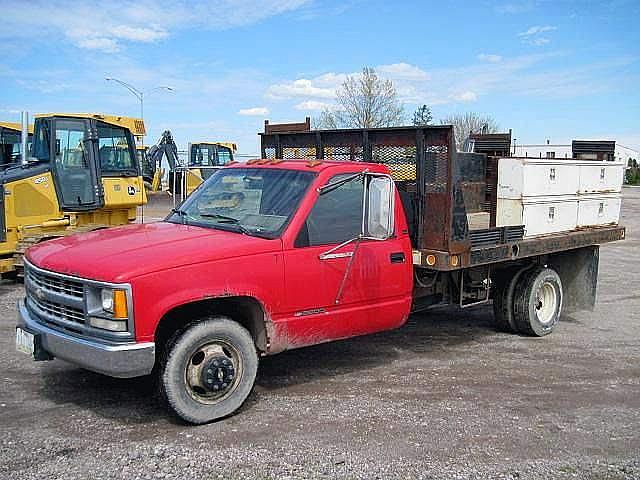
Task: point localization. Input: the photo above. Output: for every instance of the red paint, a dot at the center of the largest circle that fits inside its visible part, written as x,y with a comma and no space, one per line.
169,265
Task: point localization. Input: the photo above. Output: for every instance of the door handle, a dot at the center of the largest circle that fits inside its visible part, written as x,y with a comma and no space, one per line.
397,257
328,256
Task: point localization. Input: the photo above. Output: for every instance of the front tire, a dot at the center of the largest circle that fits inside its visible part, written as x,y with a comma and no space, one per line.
209,370
538,301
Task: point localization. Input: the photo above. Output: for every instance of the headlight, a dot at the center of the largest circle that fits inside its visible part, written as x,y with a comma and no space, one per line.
108,308
115,302
107,300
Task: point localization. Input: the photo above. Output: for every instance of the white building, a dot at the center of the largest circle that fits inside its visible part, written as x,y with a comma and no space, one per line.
564,150
627,155
543,150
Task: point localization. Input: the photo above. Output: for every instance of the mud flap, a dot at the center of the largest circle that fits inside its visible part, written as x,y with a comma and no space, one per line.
578,270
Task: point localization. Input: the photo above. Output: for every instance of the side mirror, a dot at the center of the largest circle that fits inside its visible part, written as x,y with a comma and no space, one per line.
378,214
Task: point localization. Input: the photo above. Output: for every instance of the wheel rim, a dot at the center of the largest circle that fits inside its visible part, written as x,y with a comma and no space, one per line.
546,303
213,372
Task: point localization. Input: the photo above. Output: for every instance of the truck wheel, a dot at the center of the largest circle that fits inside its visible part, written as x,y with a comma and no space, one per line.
209,370
538,301
503,303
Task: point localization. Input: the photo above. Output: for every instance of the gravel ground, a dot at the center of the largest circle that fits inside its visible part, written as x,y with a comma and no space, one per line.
445,396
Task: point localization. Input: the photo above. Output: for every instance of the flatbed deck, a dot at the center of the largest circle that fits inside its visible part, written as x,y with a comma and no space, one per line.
527,247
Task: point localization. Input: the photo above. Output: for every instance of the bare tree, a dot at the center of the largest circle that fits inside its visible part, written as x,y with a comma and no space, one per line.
326,120
470,122
422,116
364,101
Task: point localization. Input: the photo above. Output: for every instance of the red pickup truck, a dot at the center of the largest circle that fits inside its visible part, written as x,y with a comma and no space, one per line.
279,254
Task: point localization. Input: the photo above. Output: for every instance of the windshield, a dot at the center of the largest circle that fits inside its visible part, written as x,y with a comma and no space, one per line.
115,148
255,201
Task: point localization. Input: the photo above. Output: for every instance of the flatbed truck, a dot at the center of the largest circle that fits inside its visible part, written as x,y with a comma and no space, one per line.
363,228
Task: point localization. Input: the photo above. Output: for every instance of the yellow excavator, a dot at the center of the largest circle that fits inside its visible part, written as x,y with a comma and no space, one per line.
10,143
81,174
204,159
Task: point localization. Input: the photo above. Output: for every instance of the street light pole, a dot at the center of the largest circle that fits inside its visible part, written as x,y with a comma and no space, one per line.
139,94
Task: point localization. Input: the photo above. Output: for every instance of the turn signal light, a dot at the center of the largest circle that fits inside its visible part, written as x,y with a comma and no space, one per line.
120,304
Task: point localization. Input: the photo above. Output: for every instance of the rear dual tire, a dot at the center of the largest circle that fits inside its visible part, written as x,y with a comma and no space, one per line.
530,302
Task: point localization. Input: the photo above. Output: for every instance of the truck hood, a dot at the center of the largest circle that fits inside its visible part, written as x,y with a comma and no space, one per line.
122,253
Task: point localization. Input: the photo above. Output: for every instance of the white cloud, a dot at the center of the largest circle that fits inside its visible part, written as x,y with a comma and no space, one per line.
98,43
538,42
533,36
537,29
254,112
108,26
138,34
486,57
467,96
402,71
302,87
516,7
311,105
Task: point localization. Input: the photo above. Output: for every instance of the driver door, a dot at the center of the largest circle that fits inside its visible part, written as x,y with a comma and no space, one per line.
360,287
75,166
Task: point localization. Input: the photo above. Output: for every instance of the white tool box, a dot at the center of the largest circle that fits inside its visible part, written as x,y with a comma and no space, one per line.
552,196
599,209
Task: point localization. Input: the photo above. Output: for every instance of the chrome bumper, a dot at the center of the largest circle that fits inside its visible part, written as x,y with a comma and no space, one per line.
123,361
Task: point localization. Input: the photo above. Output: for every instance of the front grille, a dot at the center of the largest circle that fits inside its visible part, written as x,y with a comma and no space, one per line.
58,310
55,284
55,300
67,303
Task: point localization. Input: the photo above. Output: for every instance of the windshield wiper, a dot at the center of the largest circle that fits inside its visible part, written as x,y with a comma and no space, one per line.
225,219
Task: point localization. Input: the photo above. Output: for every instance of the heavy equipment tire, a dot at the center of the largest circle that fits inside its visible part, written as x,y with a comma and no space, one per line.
208,370
503,303
537,301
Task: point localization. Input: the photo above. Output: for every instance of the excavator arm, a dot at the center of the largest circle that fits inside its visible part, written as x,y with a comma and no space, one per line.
165,147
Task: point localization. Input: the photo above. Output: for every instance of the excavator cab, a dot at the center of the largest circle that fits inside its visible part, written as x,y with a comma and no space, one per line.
209,156
92,160
81,174
205,158
10,143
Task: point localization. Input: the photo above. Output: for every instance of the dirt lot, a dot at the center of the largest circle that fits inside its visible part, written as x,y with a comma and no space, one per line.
446,396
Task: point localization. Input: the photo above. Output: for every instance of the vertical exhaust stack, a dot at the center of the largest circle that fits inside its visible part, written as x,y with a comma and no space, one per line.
24,116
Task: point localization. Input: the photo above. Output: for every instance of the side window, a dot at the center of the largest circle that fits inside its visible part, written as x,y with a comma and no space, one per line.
206,155
224,156
113,148
336,216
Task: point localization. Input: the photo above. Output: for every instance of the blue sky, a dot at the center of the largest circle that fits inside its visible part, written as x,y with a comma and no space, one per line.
553,70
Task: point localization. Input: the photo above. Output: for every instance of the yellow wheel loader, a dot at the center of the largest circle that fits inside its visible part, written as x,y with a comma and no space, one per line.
81,175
